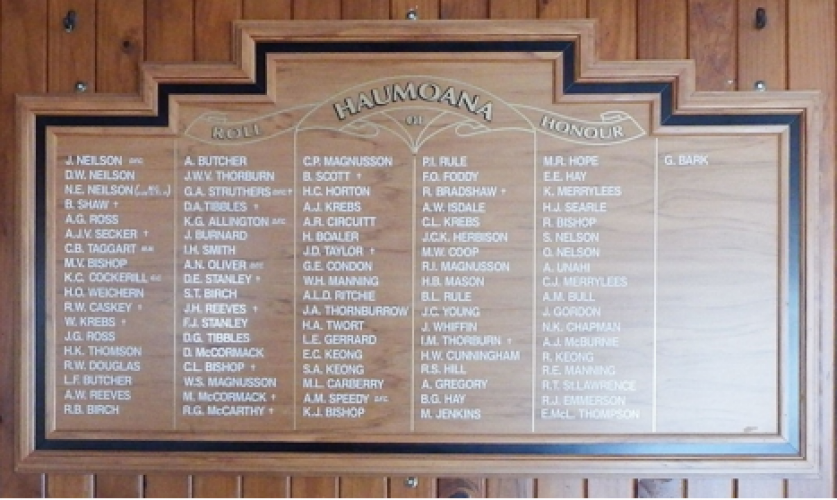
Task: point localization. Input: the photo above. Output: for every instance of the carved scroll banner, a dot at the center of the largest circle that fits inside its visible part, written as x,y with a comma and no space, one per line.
476,244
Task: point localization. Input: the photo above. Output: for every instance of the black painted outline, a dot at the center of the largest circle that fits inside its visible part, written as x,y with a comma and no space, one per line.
792,358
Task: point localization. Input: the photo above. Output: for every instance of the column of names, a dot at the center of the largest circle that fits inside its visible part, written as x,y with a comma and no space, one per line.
223,364
107,276
345,294
584,271
467,262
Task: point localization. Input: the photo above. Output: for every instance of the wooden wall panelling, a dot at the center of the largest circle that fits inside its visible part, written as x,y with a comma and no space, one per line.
616,28
812,64
363,487
762,57
72,56
513,9
169,30
262,486
213,29
480,487
167,486
427,9
263,9
710,488
365,9
762,54
661,488
510,487
611,488
561,487
120,45
712,30
433,9
662,29
316,9
617,32
461,487
412,487
23,65
761,488
712,43
464,9
70,486
118,486
216,486
562,9
495,487
321,487
314,487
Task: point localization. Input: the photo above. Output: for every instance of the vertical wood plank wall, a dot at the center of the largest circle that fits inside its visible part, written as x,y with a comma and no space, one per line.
797,50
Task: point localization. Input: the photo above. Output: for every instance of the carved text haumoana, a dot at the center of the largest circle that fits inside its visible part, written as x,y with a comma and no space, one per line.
427,91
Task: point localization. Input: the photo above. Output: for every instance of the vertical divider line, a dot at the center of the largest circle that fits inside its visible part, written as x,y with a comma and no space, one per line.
296,280
534,273
175,152
413,300
656,247
51,396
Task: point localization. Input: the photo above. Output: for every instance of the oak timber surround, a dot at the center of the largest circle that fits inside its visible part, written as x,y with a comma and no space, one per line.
660,30
226,275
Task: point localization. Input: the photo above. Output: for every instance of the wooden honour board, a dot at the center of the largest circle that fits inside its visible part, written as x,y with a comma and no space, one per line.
430,246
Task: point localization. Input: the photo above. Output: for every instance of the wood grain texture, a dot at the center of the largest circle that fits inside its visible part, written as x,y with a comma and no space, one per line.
363,487
119,486
169,28
561,487
661,488
510,487
617,28
761,488
405,487
464,9
168,36
812,65
762,54
216,486
262,9
427,9
72,56
317,9
23,65
70,486
365,9
167,486
120,46
710,488
611,488
213,29
513,9
262,486
712,43
562,9
662,29
461,487
315,487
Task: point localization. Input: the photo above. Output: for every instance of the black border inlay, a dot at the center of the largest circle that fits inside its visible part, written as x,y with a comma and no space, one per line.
792,359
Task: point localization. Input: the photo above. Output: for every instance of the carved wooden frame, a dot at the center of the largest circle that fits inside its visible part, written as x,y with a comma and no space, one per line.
676,101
